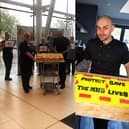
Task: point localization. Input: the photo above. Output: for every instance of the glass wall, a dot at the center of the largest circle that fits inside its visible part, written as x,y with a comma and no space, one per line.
29,2
22,14
117,33
126,36
63,15
121,32
60,19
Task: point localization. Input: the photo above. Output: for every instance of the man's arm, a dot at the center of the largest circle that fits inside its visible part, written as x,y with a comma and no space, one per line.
67,49
30,56
127,68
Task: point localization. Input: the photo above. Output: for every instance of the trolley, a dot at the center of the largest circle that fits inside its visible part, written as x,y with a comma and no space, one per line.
49,66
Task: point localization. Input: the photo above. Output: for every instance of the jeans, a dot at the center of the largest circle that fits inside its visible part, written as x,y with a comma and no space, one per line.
87,123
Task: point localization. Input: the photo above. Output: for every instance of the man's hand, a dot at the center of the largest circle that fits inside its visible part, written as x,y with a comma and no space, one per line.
127,69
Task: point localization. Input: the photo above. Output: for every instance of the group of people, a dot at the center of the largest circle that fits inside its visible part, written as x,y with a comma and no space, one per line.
61,44
105,53
26,58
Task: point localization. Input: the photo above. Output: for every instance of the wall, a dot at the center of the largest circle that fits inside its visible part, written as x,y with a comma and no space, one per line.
121,22
86,17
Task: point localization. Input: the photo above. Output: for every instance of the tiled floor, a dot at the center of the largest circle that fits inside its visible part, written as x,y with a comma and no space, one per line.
34,110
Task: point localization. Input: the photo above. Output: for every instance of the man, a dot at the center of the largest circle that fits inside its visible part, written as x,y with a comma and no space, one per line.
26,60
71,56
61,44
106,54
7,46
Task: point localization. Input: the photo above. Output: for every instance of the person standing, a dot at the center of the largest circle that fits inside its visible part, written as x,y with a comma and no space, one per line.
106,55
71,56
61,45
7,46
26,60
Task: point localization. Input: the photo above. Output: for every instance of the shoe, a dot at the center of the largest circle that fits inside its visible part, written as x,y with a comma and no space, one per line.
30,87
8,79
58,83
62,87
26,91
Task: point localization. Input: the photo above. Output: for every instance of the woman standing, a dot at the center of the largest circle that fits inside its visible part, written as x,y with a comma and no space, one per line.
7,46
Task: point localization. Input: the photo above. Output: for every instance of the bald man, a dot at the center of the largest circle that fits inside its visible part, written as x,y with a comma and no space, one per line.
26,60
106,55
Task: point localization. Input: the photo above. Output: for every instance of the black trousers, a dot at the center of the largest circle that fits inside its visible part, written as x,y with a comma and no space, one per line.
26,72
73,66
8,64
62,73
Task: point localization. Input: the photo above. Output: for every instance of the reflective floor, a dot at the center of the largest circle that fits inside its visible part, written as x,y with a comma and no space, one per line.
34,110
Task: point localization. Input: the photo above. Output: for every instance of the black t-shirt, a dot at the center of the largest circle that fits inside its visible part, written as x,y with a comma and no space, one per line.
61,45
106,59
23,48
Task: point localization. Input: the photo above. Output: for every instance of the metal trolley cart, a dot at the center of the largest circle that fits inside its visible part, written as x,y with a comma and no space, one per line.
49,66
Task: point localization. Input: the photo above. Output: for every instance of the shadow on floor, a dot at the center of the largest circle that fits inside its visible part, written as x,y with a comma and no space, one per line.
71,121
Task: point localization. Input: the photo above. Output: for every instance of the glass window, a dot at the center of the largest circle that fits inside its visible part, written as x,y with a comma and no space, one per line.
68,6
117,33
29,2
71,7
46,2
126,36
15,7
59,7
44,19
23,18
26,18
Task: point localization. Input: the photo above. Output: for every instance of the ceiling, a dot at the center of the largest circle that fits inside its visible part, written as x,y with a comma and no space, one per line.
109,7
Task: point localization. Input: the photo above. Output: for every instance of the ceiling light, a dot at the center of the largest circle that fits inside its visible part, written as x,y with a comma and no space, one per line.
125,8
